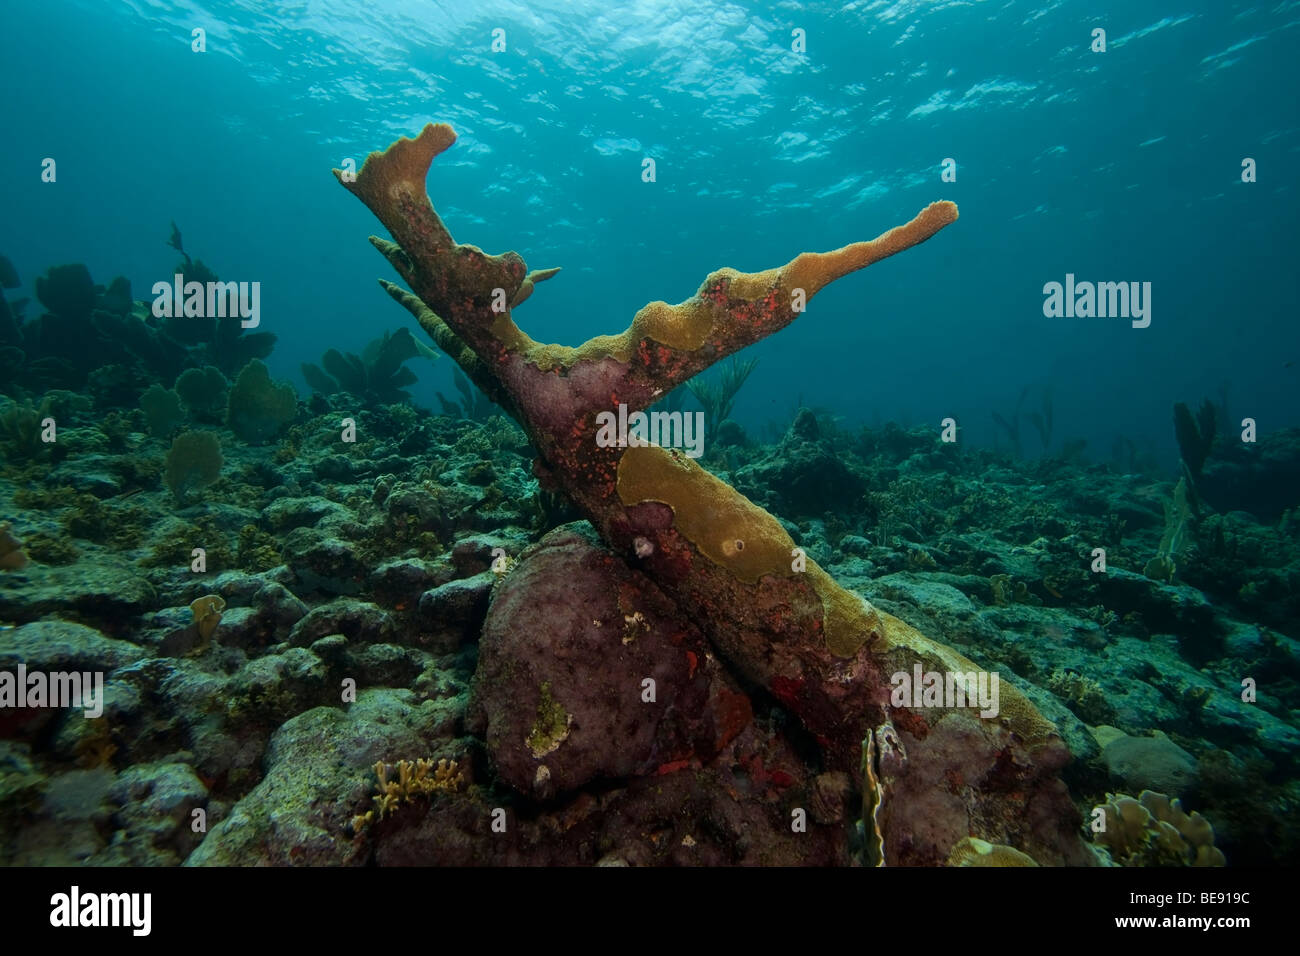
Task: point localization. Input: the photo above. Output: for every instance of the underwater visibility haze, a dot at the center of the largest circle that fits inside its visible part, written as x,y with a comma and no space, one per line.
813,434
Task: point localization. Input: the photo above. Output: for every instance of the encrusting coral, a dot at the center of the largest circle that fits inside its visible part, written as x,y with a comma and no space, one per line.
772,613
415,778
972,851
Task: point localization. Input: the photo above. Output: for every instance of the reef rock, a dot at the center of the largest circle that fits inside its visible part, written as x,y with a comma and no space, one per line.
586,670
1150,763
318,777
64,646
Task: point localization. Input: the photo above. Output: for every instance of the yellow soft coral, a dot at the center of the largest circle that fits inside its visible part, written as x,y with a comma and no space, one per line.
415,778
1153,830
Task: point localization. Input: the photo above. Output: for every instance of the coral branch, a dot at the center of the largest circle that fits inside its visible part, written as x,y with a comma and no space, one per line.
449,342
825,653
664,346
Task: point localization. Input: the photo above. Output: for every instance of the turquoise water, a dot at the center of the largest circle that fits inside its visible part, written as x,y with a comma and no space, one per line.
1115,166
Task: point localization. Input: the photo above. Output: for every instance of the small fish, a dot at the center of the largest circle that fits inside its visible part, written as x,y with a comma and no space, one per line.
176,243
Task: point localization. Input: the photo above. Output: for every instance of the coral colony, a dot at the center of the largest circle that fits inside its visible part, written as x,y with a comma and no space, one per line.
726,564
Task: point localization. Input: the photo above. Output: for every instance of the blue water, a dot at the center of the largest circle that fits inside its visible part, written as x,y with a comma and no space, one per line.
1115,166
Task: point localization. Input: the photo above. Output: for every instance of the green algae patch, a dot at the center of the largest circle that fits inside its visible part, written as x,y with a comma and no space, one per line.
551,727
727,528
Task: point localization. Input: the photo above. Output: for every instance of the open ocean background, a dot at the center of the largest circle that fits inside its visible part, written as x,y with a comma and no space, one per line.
1122,166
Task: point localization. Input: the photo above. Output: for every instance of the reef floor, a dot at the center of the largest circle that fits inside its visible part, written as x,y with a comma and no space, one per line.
363,586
